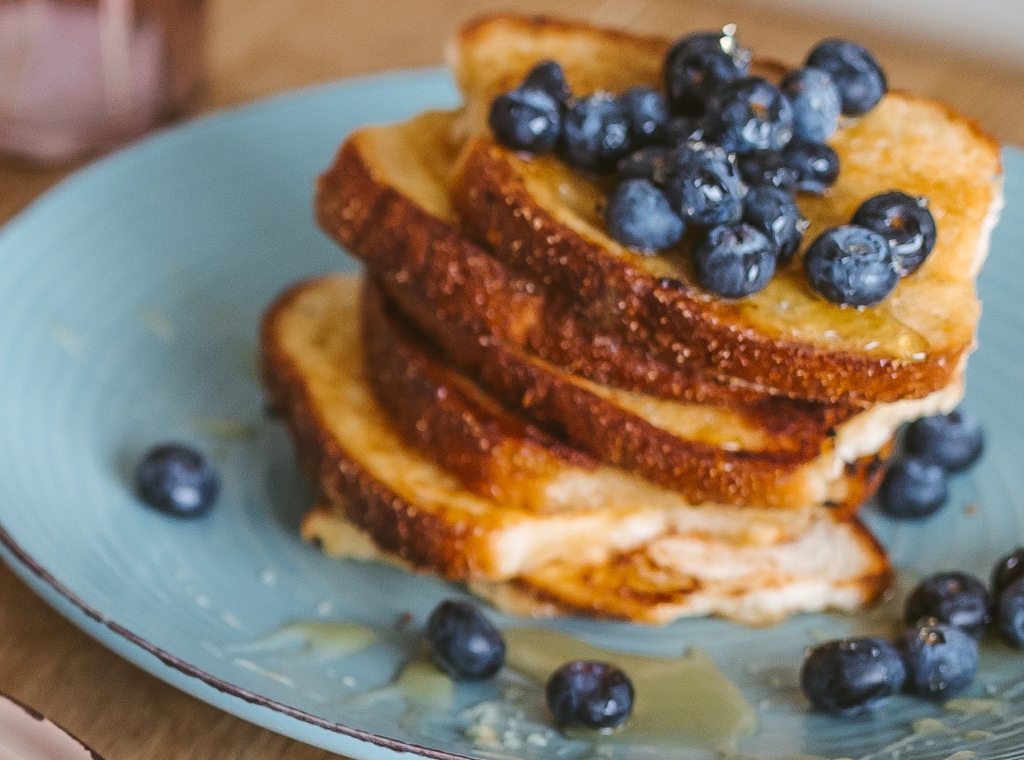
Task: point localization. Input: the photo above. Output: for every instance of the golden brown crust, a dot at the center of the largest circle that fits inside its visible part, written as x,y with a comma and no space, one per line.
422,538
447,417
664,316
439,411
430,269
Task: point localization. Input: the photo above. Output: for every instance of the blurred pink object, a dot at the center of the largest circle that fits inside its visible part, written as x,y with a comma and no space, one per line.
82,76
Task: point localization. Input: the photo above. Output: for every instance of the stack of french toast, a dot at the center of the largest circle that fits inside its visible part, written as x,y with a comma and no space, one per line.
510,398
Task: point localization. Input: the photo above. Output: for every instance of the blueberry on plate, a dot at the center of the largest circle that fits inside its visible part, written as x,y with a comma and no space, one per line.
549,77
595,132
647,114
734,260
463,642
683,130
177,480
954,598
912,489
526,119
1007,570
816,165
940,659
651,163
855,72
1010,613
767,168
851,266
590,695
852,676
816,103
698,64
775,213
953,440
639,216
905,222
750,114
704,186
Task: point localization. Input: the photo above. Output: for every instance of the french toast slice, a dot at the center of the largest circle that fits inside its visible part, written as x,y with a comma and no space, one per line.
542,218
835,565
385,200
703,454
311,364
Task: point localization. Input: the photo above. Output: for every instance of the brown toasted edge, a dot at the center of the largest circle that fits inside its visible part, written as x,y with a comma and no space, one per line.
665,316
522,597
701,472
450,419
418,537
478,26
432,271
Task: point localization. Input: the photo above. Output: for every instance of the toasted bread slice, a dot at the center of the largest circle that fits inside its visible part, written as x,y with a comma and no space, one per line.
833,565
385,199
311,362
704,454
542,218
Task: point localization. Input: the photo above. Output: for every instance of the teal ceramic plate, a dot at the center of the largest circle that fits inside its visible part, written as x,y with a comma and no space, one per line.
129,300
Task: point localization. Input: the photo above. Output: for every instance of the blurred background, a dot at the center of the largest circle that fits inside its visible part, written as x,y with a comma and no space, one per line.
175,58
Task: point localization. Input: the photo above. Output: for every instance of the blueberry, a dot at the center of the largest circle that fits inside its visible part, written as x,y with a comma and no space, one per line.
816,165
683,130
595,133
647,114
177,480
526,119
549,77
941,660
775,213
464,643
913,489
750,114
1009,569
816,103
851,266
767,168
589,694
704,187
852,676
697,65
905,222
638,216
855,72
953,598
734,260
1010,613
953,440
651,163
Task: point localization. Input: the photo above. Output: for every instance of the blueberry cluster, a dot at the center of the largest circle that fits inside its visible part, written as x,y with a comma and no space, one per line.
859,264
467,646
721,152
916,484
937,655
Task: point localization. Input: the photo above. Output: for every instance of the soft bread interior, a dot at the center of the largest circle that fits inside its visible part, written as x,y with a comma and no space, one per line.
833,565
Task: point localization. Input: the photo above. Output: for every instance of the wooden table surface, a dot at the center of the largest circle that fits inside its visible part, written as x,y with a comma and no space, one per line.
258,47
